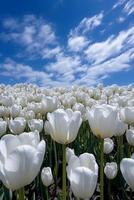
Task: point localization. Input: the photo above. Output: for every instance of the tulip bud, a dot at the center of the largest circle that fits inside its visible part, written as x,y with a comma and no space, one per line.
108,145
46,176
127,170
63,125
69,153
17,125
127,115
3,127
121,128
15,111
82,173
110,170
36,124
100,119
130,136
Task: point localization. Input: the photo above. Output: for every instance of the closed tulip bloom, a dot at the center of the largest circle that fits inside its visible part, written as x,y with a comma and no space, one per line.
2,111
127,170
3,127
110,170
130,136
21,157
69,153
49,104
82,173
36,124
108,145
46,176
103,120
15,111
120,128
63,125
17,125
127,115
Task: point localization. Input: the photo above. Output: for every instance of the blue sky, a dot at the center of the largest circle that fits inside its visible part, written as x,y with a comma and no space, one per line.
67,42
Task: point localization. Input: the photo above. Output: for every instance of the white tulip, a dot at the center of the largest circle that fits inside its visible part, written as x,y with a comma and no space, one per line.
15,111
127,170
110,170
46,176
69,153
82,173
130,136
108,145
17,125
2,111
49,104
35,124
120,128
20,159
63,125
3,127
127,115
103,120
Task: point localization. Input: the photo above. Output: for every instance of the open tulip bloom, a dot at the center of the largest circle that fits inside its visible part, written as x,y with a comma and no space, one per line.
20,159
82,173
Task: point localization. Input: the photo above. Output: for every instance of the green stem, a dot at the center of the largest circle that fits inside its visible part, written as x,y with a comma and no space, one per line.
119,149
102,170
21,194
109,189
56,161
47,196
64,173
129,151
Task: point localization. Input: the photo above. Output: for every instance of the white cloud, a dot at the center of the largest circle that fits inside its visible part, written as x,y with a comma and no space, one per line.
77,43
18,71
78,62
33,34
119,3
100,51
96,73
49,53
64,64
88,24
121,19
129,7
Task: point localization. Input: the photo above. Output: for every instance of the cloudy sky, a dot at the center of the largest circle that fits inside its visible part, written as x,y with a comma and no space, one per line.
67,42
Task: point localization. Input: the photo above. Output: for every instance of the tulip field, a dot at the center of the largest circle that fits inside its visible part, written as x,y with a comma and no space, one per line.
66,143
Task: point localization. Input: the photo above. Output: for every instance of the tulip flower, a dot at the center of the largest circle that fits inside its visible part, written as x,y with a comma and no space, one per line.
46,176
103,120
63,125
108,145
49,104
17,125
21,159
35,124
3,127
120,128
110,170
127,115
130,136
15,111
69,153
127,170
82,173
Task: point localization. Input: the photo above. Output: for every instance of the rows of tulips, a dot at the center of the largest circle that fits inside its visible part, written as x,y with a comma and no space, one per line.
66,143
